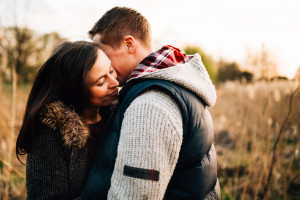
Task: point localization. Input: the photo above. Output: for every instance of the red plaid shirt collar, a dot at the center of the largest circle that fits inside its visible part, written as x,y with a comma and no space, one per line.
167,56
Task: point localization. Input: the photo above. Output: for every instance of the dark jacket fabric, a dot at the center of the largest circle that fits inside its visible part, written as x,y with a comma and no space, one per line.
195,175
56,167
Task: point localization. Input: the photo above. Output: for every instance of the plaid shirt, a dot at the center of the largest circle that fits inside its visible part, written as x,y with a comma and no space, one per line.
167,56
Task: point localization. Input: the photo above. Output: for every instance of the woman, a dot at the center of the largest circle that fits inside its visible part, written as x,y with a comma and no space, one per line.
64,119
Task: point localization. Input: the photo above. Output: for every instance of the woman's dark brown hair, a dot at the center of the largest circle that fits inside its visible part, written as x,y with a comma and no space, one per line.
61,78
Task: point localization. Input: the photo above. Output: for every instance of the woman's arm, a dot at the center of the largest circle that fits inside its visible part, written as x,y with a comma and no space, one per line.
47,168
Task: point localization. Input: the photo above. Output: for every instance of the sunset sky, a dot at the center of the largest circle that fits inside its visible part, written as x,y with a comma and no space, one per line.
227,29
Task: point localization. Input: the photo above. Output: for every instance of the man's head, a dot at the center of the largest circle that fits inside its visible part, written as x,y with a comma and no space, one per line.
125,36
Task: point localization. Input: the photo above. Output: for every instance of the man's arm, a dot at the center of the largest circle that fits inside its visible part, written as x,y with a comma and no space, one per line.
149,146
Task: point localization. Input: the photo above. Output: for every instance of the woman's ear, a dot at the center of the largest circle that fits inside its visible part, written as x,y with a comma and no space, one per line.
130,43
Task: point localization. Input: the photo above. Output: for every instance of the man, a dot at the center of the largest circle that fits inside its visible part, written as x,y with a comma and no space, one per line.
159,142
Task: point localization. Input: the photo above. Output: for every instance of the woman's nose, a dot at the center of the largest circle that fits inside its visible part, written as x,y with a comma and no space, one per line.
113,81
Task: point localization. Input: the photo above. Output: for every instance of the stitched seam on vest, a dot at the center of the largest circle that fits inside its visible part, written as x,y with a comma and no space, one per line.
206,159
202,115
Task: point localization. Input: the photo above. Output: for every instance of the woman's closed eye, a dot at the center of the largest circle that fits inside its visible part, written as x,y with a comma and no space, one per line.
101,82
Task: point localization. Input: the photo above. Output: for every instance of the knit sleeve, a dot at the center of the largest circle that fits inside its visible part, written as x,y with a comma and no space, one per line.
149,146
47,173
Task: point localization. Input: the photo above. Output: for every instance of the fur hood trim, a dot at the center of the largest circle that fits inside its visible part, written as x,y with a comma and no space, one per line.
64,119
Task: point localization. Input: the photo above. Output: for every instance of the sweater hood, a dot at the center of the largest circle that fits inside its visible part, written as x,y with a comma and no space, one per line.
64,119
186,71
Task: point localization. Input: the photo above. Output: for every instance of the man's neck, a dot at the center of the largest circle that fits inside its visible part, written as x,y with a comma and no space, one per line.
142,53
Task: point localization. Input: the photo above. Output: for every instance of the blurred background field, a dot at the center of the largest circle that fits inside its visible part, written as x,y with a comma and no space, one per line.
12,172
253,126
256,117
248,119
256,70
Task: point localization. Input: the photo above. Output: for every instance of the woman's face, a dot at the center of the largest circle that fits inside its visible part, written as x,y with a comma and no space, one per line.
102,82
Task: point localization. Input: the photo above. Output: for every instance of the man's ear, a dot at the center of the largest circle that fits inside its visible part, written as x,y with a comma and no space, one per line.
130,43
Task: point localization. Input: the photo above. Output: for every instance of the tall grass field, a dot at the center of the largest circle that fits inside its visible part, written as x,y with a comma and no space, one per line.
257,139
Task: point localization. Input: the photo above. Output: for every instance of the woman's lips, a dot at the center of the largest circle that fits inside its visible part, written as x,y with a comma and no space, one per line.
114,93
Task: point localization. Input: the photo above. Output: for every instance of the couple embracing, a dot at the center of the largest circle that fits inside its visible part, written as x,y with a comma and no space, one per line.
152,140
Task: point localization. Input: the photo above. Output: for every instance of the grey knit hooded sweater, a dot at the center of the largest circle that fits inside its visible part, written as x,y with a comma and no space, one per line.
152,132
56,167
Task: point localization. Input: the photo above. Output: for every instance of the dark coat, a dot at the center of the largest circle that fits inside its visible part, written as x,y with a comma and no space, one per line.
56,167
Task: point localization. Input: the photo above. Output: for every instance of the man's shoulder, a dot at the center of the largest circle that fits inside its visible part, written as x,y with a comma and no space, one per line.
154,96
155,107
155,99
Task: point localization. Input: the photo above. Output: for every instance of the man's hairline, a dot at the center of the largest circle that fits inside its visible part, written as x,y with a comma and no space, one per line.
100,43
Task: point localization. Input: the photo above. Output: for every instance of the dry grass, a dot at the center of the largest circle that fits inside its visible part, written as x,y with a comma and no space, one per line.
248,119
247,122
12,172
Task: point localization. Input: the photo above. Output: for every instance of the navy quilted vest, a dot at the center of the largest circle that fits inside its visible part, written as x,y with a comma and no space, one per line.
195,175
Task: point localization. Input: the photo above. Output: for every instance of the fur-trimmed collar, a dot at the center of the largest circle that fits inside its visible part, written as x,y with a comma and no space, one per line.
58,116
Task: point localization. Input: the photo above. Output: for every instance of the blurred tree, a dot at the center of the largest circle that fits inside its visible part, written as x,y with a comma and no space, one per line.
24,50
206,59
45,44
16,46
228,71
263,64
247,76
279,78
231,72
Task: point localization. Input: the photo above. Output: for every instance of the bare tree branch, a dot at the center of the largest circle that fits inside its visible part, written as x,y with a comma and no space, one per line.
274,149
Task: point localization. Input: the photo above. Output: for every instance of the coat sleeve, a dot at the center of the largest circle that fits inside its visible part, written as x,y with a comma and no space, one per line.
47,168
149,146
